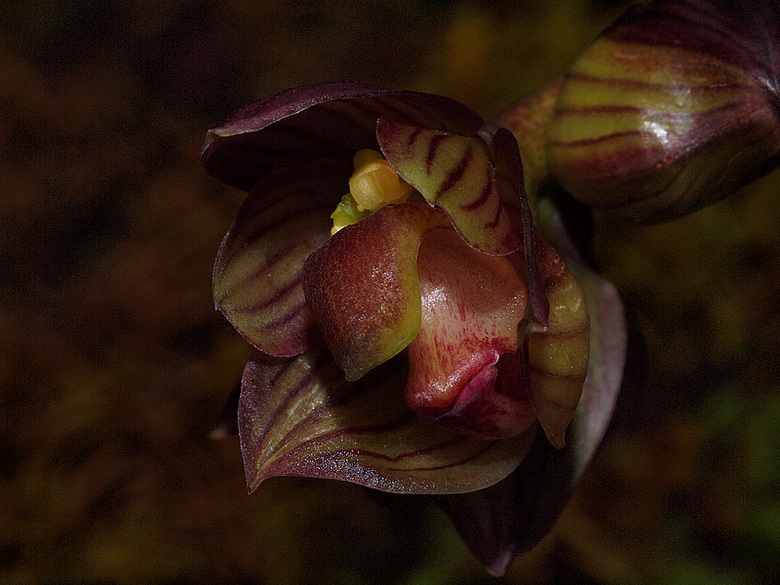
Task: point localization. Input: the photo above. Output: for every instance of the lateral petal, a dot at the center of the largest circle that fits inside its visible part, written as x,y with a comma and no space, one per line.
257,274
557,357
455,173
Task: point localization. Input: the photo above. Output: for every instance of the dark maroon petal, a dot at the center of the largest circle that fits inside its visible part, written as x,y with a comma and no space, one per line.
328,120
511,187
257,274
298,417
527,120
506,520
745,34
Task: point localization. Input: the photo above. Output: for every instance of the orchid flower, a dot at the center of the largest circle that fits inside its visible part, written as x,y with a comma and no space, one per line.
413,331
417,328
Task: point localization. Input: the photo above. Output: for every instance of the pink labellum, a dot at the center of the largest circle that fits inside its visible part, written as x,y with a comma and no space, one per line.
508,519
471,306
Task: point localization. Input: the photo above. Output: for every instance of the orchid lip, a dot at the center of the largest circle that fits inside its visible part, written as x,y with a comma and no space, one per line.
481,410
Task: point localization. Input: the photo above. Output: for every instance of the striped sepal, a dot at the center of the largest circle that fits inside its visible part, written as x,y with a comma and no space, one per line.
299,417
455,173
673,108
332,120
257,275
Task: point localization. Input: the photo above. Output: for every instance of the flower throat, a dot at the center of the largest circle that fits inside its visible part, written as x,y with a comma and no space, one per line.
373,185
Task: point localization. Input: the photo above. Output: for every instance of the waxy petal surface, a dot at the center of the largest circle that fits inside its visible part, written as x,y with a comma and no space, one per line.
257,275
299,417
363,289
674,107
326,120
471,305
455,173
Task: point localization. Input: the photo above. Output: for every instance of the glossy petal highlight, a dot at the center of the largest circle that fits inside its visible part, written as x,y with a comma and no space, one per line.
673,108
362,285
469,320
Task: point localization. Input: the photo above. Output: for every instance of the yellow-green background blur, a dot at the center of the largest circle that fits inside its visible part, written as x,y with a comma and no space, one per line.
114,365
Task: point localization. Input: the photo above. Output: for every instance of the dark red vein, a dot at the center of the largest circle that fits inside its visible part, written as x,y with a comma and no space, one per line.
457,173
433,147
483,197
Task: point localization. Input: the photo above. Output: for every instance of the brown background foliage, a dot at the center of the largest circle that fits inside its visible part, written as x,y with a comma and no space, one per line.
114,365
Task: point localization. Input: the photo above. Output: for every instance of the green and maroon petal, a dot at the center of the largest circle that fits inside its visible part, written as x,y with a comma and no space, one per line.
298,417
608,339
455,173
471,305
674,107
362,285
257,275
327,120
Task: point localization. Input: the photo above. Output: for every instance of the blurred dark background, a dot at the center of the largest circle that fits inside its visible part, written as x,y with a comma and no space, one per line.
114,365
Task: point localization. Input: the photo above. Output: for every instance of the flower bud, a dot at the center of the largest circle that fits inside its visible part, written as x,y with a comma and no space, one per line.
671,109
